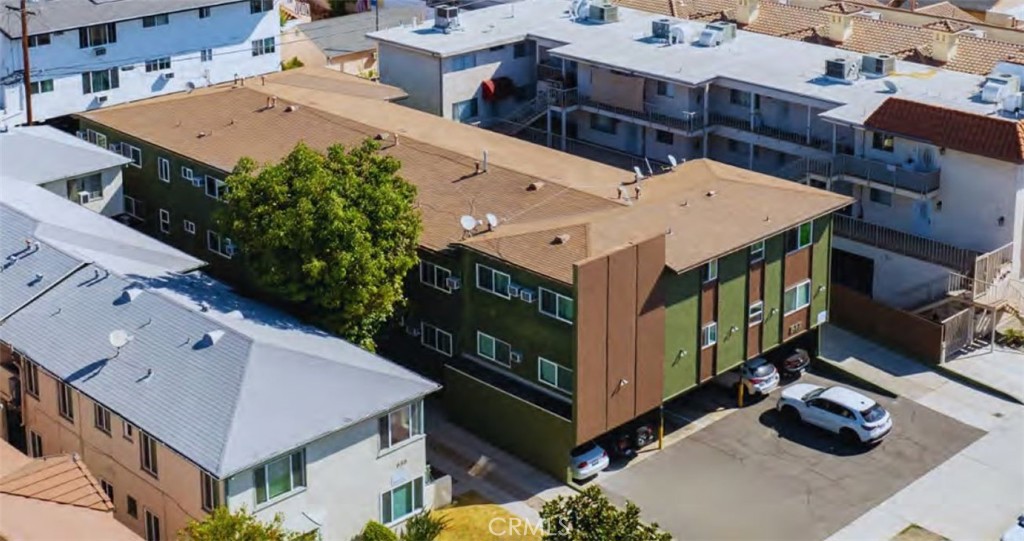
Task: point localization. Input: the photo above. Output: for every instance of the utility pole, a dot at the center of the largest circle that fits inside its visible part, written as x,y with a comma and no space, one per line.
376,13
26,68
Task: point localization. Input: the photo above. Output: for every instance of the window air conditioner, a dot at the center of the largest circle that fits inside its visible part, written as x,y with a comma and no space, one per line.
516,357
513,290
453,283
527,295
83,198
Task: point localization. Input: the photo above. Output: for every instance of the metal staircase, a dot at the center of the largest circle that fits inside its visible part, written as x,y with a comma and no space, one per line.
522,117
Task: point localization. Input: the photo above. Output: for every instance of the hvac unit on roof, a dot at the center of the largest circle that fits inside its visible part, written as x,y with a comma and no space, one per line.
661,28
998,87
1012,104
446,17
604,12
842,69
715,34
878,64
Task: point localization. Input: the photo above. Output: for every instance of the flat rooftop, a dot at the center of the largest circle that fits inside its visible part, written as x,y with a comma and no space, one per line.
766,61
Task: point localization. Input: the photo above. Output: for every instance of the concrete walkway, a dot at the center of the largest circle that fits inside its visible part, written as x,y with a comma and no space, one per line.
1001,368
974,495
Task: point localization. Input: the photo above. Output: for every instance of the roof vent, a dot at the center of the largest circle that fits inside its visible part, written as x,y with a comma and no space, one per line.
560,239
998,87
128,295
446,18
535,185
604,13
878,64
841,69
715,34
235,314
209,339
711,193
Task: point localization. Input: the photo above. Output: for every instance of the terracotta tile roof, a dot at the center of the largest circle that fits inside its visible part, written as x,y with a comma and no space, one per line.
996,138
946,25
844,8
60,479
974,55
948,11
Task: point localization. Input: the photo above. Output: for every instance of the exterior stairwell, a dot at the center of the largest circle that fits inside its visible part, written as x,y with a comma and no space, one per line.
522,117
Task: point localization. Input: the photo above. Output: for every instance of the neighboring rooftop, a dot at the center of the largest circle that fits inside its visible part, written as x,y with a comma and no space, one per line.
333,81
339,36
196,351
41,154
947,10
57,15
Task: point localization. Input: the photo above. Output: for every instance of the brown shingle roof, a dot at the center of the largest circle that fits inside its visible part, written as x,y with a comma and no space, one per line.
59,479
993,137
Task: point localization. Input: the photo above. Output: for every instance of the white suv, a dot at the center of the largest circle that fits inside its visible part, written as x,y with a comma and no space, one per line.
850,414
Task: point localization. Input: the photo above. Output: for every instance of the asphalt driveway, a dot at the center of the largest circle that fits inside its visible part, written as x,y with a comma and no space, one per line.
753,476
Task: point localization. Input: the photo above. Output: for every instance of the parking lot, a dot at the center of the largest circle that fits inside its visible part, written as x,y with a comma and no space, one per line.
751,475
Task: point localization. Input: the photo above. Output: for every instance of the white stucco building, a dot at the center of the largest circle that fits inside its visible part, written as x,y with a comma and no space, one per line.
86,54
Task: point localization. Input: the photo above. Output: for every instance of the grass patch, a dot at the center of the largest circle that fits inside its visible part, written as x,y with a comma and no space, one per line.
917,533
470,518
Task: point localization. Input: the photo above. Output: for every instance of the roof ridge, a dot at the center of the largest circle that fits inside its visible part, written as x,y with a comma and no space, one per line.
234,417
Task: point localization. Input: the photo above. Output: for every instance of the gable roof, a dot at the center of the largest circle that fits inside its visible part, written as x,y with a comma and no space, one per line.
70,14
993,137
61,479
41,154
948,11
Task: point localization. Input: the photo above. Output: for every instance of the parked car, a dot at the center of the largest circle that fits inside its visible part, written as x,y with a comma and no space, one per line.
1016,532
793,365
586,460
627,440
855,417
758,376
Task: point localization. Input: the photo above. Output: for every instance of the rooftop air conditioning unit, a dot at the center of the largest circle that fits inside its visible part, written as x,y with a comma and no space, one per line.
715,34
99,51
842,69
604,13
446,17
453,283
878,64
1012,104
661,29
998,87
84,198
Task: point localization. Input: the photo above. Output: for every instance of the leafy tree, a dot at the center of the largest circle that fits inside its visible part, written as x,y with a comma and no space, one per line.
241,525
375,531
332,234
589,516
424,526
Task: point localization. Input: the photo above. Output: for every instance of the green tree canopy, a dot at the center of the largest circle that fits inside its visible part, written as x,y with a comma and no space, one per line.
332,234
241,525
589,516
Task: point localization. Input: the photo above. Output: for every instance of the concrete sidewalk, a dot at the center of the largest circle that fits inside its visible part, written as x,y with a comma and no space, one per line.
1001,368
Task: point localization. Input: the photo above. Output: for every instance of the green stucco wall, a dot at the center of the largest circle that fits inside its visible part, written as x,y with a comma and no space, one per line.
772,329
541,438
820,263
732,310
682,351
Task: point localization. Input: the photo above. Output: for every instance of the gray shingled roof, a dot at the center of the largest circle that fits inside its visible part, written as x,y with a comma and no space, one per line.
266,385
347,34
53,15
40,154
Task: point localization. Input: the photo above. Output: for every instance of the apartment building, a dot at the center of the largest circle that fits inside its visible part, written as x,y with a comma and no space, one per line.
181,396
926,147
557,298
80,171
87,54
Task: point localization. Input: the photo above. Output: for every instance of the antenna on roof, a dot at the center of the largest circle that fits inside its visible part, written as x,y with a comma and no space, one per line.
468,224
492,221
119,338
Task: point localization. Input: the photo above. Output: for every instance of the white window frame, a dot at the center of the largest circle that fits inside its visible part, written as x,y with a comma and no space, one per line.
484,336
133,207
263,46
756,307
165,221
433,270
417,506
148,451
218,187
436,332
803,284
386,438
508,279
66,401
559,369
160,19
206,55
163,169
706,332
158,64
152,525
89,79
108,489
187,174
209,494
127,430
757,252
35,444
462,62
222,243
133,153
558,297
41,86
189,226
709,272
810,238
101,418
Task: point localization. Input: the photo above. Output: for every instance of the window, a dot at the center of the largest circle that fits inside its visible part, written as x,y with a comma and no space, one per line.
205,55
604,124
755,313
262,46
496,282
665,89
127,430
132,153
186,174
94,36
465,111
554,374
433,338
757,252
881,197
38,40
492,349
211,497
401,502
108,489
165,221
147,448
163,169
32,379
496,48
709,335
400,425
797,297
42,87
204,13
883,141
739,97
664,137
65,401
158,64
35,444
463,62
102,418
709,272
215,187
100,81
218,245
96,138
280,476
799,237
91,184
435,276
132,507
519,50
133,207
190,227
555,305
152,526
259,6
155,20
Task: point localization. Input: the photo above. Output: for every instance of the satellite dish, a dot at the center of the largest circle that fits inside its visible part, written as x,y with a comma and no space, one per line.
119,338
672,161
492,220
890,86
468,222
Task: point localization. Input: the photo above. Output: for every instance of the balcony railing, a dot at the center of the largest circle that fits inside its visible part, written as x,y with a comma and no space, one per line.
563,97
688,121
900,242
891,175
758,127
549,72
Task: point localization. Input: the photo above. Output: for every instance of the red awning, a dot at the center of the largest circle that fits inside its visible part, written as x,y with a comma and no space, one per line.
489,89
